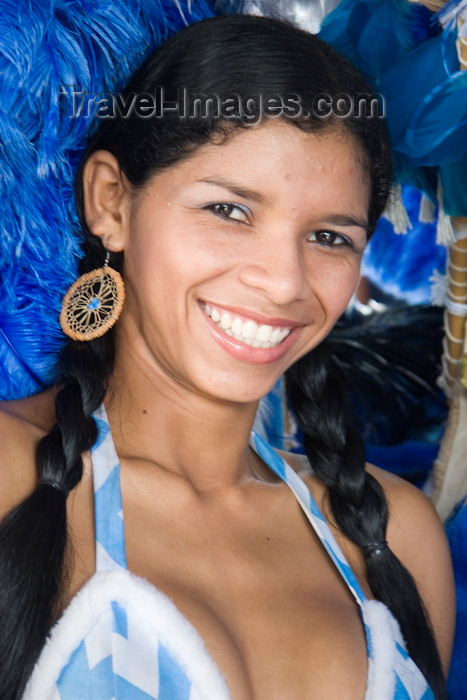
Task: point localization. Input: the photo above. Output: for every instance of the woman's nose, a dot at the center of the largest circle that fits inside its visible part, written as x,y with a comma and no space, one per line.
280,271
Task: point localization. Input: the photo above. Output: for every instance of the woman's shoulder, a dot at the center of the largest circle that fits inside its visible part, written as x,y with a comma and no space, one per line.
412,516
415,534
410,510
23,423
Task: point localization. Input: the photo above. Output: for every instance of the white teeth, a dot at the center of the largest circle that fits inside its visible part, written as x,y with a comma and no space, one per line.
236,327
225,321
249,332
264,333
275,335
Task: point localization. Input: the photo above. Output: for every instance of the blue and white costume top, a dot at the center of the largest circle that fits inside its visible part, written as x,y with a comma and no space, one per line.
122,639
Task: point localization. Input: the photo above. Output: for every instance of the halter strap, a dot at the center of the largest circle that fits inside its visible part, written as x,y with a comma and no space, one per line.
308,504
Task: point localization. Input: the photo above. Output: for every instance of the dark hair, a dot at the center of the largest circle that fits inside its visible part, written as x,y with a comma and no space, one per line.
245,56
248,57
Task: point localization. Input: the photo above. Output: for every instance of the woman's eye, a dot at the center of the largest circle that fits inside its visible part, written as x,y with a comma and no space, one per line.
329,239
229,211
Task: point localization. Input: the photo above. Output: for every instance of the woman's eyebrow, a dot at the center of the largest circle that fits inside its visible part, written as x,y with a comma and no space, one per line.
236,189
347,220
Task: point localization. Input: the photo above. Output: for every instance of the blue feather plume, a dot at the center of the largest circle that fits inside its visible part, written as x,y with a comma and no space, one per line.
373,34
401,265
44,45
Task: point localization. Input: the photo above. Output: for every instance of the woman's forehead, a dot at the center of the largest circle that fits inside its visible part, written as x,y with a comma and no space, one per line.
274,141
274,164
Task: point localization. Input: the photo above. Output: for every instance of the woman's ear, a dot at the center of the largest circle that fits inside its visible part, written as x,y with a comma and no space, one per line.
106,198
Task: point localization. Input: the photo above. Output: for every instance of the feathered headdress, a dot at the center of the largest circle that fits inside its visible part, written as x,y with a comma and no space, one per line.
48,50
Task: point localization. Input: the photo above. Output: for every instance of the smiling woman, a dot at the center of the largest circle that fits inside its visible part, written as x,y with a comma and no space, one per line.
262,257
238,235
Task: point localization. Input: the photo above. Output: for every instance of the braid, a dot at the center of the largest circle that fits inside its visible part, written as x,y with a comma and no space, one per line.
336,452
33,536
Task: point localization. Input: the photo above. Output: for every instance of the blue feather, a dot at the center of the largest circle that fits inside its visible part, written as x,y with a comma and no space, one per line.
401,265
354,28
44,45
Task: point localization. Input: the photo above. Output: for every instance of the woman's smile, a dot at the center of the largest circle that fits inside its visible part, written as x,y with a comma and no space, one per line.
241,258
258,334
246,339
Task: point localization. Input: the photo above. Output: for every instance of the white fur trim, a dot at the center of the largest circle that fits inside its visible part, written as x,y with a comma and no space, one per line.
153,611
383,627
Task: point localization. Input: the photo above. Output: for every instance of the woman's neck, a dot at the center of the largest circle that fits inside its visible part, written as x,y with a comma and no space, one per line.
156,419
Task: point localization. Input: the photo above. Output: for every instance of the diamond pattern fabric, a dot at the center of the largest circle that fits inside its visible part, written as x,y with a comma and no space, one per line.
122,639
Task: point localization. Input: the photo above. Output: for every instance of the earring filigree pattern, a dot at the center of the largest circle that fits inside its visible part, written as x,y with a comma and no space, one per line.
92,304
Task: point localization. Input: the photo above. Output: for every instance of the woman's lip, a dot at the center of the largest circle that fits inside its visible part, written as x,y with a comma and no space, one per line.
247,353
246,314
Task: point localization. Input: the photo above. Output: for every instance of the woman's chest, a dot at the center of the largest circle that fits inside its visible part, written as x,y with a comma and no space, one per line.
275,643
261,591
272,609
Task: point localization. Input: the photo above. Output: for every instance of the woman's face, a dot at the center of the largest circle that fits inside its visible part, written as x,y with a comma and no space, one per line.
241,259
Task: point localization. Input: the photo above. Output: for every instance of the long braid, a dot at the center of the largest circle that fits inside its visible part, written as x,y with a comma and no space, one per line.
33,537
336,453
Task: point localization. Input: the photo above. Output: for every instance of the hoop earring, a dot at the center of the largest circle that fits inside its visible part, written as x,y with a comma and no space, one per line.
93,304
